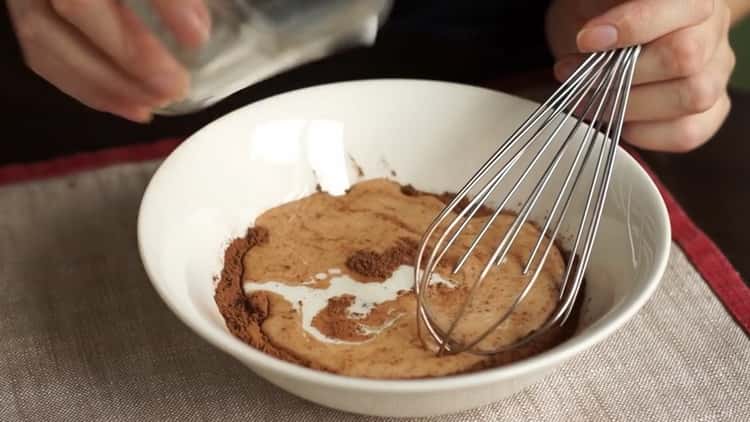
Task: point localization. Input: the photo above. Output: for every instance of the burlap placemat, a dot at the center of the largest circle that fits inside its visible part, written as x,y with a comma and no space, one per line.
83,336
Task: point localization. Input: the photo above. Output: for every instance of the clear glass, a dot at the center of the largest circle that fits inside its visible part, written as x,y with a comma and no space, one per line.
252,40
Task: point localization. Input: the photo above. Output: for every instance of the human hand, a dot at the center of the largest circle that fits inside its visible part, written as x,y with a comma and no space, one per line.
100,53
679,97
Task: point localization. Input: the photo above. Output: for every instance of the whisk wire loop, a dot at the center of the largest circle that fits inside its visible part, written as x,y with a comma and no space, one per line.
601,84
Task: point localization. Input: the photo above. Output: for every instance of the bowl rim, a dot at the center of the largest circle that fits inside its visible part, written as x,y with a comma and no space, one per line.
226,342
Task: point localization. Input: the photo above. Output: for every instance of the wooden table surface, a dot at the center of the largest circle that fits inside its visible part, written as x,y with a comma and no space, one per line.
711,183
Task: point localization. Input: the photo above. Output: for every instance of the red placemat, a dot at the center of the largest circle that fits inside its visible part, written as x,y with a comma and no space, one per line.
703,253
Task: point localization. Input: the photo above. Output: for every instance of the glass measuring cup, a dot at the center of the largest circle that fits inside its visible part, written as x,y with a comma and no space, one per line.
252,40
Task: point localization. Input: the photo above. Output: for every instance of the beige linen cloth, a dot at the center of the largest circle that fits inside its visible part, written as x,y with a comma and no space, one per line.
83,337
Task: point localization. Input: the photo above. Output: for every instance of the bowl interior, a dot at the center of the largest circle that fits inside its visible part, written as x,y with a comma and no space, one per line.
431,135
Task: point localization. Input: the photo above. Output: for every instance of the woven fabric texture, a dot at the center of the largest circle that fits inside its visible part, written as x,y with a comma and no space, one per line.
84,337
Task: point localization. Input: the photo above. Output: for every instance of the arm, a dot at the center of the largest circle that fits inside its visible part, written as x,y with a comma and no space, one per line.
740,9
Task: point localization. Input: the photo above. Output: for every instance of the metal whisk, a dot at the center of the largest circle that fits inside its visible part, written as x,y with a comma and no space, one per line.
598,91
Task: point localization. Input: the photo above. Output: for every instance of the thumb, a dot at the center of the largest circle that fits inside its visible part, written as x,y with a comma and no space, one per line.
641,21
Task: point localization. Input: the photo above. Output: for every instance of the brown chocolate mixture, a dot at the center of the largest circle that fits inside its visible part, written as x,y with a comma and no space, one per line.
446,197
245,314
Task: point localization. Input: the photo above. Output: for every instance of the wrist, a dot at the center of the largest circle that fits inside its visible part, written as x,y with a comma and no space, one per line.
740,9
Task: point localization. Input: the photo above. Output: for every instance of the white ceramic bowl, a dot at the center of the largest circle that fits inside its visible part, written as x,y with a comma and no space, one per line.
433,135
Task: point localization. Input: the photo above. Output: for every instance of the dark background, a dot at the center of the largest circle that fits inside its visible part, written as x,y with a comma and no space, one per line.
494,42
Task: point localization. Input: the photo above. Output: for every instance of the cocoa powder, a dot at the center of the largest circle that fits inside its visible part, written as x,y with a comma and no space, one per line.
244,315
380,266
335,321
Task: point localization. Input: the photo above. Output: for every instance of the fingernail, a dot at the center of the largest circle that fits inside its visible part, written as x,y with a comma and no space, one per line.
565,68
198,22
597,38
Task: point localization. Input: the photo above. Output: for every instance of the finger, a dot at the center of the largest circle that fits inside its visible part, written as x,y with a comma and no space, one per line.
118,33
189,20
677,55
60,54
682,97
567,65
679,135
640,21
683,53
98,97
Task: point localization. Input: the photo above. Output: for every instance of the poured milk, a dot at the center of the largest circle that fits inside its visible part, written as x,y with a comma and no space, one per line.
366,296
